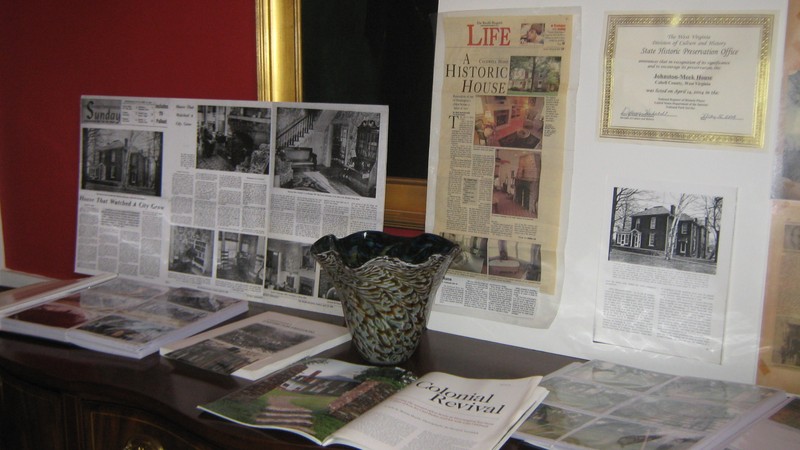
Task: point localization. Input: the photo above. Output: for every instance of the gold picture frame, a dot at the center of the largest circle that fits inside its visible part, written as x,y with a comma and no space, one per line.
280,76
280,79
687,111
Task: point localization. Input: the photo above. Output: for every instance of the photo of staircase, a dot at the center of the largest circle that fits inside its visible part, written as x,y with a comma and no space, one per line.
327,151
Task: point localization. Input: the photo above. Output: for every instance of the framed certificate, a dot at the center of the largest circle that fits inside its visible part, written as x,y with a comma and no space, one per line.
690,78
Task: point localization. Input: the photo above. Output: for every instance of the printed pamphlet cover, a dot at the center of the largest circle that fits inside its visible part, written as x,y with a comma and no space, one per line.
254,347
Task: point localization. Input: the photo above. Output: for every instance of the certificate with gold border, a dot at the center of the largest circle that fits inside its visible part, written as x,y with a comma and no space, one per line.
689,78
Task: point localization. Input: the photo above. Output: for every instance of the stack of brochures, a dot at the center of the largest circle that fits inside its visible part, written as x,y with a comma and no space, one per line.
600,405
113,314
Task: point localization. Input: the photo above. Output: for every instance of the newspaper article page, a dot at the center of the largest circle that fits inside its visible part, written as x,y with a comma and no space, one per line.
330,178
184,191
500,161
779,356
664,273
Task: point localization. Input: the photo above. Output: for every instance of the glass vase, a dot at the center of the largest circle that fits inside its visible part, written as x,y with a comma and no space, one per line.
386,284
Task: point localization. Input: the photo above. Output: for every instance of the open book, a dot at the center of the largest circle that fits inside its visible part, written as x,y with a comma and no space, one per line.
120,316
334,402
257,346
600,405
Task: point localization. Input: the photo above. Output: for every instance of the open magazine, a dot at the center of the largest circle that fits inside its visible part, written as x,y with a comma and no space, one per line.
257,346
334,402
121,316
602,405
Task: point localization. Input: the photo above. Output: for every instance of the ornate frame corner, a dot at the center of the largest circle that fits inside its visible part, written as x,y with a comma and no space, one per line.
280,79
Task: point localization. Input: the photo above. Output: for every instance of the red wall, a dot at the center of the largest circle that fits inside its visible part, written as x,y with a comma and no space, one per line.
53,51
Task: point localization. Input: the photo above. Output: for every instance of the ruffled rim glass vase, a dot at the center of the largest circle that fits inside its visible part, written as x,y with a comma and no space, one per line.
386,284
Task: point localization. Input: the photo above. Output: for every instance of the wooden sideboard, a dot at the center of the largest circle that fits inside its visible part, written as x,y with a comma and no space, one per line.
60,397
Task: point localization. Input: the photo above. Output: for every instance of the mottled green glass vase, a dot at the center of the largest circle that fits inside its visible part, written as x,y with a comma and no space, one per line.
386,284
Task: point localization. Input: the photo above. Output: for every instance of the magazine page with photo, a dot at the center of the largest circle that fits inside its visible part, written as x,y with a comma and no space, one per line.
334,402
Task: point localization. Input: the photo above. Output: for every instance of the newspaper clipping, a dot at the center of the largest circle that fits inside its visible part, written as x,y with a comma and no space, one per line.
497,172
779,361
779,358
227,196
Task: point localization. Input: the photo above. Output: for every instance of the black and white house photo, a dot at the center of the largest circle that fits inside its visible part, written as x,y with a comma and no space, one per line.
124,161
241,257
231,351
233,139
327,151
665,229
191,250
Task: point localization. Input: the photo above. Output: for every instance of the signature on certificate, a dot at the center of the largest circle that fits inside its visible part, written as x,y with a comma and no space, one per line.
629,113
707,116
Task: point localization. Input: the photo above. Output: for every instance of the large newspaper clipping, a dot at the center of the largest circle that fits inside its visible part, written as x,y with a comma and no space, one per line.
779,358
227,196
500,162
779,350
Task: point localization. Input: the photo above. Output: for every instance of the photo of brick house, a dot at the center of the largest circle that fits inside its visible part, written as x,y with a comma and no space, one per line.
665,229
315,396
126,161
649,230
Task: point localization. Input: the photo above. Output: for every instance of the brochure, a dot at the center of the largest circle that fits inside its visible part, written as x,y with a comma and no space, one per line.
14,300
124,317
370,407
257,346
